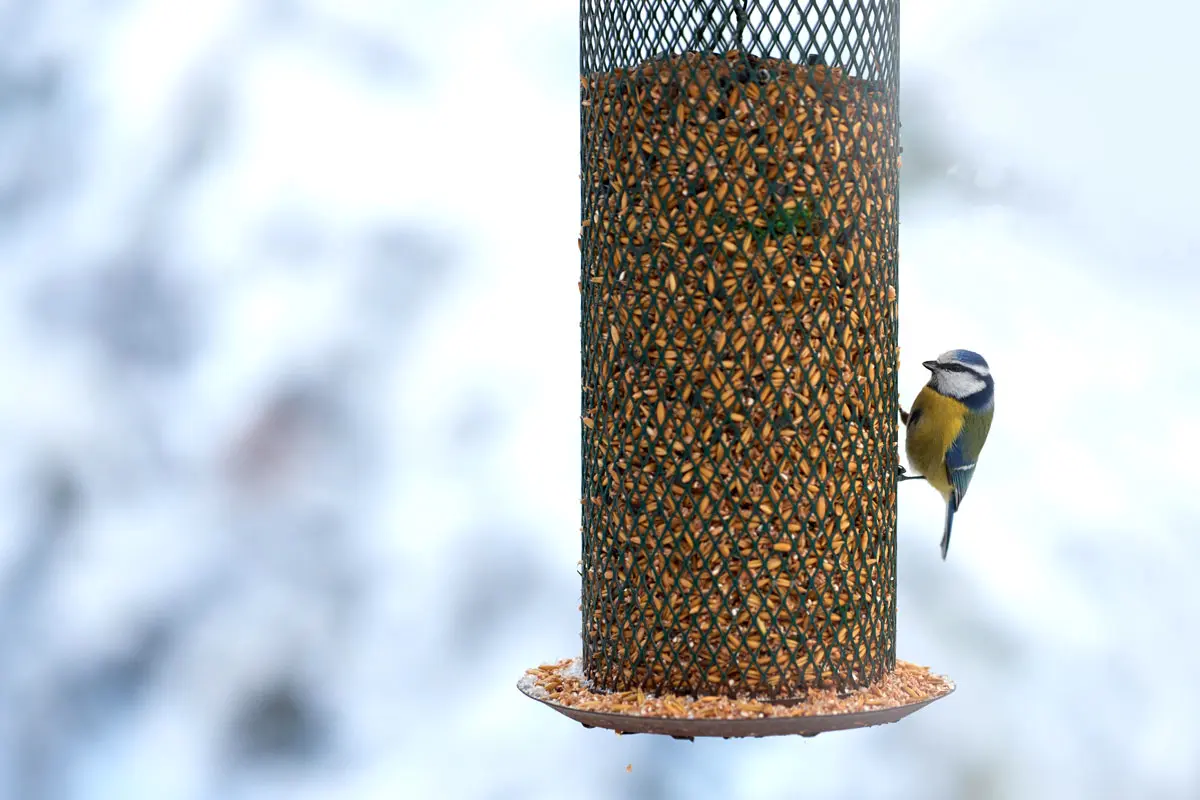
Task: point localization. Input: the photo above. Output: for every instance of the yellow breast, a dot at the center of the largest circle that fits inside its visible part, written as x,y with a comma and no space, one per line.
926,440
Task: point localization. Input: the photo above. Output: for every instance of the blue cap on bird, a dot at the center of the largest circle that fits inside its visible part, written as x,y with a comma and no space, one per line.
964,358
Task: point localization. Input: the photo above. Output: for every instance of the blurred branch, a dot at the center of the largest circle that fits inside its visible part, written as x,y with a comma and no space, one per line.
936,159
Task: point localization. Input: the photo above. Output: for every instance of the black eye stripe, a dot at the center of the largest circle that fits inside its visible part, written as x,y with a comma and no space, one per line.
955,367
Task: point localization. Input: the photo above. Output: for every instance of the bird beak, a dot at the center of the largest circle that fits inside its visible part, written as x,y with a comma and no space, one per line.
929,365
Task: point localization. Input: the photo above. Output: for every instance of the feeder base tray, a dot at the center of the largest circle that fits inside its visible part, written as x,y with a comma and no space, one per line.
561,686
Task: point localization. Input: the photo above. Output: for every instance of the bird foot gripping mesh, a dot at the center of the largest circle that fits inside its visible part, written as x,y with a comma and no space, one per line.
739,255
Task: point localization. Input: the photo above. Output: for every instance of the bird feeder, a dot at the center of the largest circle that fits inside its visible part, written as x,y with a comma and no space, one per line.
740,170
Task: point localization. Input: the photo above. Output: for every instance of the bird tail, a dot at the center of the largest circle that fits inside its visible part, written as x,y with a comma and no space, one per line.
949,524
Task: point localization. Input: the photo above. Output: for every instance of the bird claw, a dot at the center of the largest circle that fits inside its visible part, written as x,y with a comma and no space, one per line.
902,475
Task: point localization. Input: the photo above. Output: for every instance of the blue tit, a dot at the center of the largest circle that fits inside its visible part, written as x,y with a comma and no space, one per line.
947,426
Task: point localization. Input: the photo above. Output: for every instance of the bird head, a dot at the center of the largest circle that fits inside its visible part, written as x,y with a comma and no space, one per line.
963,375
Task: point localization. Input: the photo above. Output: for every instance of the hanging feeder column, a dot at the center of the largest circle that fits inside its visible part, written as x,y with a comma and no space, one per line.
739,358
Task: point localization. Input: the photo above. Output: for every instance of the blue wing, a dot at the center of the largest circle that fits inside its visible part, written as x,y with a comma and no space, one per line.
959,469
964,452
960,464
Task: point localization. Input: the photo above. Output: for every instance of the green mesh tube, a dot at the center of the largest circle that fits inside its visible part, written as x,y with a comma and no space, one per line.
740,173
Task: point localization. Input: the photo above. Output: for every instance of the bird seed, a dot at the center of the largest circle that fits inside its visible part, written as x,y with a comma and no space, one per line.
739,399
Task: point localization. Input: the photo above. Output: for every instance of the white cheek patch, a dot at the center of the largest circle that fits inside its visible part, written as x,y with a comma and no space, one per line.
958,384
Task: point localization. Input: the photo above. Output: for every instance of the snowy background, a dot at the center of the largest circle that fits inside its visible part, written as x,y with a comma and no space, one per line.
290,423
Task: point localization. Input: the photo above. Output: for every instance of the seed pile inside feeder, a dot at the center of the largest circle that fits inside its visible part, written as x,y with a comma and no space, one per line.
739,412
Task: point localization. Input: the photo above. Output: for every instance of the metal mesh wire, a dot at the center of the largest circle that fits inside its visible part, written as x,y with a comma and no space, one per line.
740,175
